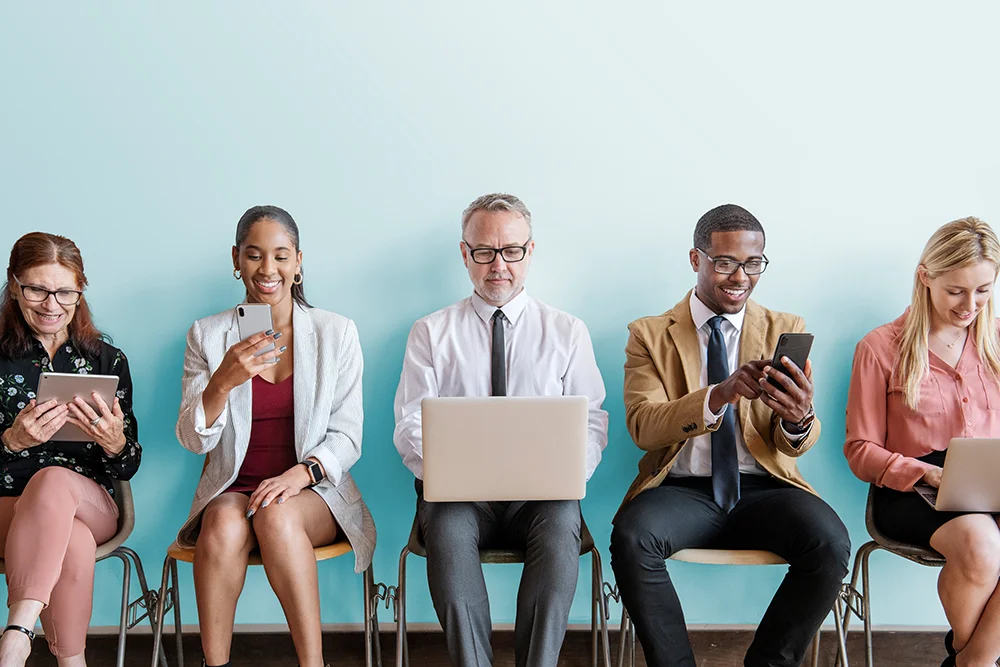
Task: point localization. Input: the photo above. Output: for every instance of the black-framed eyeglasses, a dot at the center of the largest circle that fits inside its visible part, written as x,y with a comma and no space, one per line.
727,266
35,294
510,254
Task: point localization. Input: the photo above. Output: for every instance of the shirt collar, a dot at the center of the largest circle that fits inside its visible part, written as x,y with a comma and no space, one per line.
701,314
511,310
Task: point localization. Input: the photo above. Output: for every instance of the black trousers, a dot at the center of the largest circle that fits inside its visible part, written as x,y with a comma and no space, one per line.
770,515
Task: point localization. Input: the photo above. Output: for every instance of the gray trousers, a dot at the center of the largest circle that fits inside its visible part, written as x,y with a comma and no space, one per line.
548,532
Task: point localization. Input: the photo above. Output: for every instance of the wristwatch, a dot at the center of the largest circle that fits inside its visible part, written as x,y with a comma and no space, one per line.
315,472
803,424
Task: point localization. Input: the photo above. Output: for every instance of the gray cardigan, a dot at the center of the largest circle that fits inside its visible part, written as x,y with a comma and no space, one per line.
328,416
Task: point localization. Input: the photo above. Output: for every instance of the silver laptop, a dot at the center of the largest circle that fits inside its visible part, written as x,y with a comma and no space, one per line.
504,448
969,482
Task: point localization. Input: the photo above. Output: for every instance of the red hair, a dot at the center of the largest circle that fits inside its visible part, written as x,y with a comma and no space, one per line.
36,249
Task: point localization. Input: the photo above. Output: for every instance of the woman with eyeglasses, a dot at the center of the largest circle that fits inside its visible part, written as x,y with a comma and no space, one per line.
281,429
931,375
56,497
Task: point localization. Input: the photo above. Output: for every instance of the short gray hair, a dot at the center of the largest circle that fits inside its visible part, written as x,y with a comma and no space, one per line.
496,201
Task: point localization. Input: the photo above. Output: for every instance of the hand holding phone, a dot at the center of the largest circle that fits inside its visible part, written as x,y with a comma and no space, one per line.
255,352
788,391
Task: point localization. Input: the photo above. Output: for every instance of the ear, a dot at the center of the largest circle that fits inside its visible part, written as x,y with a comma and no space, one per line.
465,253
923,277
695,259
298,263
236,257
531,247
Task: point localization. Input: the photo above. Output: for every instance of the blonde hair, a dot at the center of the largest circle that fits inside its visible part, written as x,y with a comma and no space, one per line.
956,245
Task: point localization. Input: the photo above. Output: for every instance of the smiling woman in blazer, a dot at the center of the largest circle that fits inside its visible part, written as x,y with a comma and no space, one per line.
282,430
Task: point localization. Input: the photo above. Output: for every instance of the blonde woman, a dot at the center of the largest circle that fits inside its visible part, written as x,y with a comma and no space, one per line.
931,375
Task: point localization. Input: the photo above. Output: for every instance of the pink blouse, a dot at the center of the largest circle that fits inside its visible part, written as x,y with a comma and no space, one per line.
885,437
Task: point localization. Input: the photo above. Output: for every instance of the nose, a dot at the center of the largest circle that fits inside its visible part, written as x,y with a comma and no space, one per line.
970,302
736,275
266,265
52,296
498,265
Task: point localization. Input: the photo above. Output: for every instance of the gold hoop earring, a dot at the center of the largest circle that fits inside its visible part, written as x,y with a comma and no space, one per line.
298,276
237,274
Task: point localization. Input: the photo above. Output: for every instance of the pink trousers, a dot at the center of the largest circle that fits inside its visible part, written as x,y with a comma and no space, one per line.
48,540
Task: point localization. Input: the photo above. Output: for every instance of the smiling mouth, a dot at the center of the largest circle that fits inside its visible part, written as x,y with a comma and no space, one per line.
734,293
267,286
49,318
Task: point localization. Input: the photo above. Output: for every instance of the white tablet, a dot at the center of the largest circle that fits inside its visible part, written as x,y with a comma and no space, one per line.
64,387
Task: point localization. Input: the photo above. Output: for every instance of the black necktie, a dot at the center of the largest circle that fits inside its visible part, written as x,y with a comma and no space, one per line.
498,361
725,466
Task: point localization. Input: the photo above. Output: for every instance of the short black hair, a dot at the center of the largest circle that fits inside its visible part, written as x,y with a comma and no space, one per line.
725,218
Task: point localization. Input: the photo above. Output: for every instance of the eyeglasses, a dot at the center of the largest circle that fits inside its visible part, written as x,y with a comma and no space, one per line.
64,297
511,253
726,266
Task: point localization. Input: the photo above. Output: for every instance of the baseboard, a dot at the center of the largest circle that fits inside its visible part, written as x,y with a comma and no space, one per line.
389,627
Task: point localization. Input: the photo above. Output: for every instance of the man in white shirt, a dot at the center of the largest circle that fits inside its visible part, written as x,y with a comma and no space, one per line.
457,352
721,444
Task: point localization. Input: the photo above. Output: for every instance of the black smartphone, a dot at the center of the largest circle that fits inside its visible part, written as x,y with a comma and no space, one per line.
796,347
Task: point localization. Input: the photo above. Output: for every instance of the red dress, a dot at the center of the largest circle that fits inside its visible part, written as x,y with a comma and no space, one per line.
272,435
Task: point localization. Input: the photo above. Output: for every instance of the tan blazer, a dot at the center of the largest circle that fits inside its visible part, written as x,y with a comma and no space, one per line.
664,399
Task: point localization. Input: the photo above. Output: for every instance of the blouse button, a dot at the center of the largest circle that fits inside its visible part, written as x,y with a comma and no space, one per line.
968,423
965,399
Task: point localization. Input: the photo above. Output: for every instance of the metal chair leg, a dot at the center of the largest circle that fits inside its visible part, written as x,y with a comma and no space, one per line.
594,610
815,649
123,621
376,632
178,632
841,627
866,606
622,637
161,605
148,597
402,650
602,611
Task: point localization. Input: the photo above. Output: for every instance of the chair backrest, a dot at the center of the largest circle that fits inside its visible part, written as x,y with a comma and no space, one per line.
126,518
908,551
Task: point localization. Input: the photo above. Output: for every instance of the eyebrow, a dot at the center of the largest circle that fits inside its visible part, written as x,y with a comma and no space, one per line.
57,289
748,259
262,249
962,287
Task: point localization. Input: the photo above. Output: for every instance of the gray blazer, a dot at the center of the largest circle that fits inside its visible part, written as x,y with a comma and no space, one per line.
328,416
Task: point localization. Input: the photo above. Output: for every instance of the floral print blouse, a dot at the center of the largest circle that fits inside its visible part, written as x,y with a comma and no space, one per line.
18,383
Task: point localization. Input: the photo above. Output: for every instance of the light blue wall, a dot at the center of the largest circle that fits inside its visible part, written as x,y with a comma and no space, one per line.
852,130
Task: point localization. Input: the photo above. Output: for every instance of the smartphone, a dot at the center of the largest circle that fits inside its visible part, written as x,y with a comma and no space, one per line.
796,347
253,318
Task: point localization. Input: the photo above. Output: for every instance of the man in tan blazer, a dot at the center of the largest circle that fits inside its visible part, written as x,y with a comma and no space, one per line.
721,443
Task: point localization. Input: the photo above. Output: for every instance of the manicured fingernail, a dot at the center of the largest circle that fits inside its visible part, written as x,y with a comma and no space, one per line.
281,500
264,504
269,332
277,335
282,348
249,513
277,359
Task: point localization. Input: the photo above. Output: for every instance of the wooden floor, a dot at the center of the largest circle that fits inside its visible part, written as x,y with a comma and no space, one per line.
712,649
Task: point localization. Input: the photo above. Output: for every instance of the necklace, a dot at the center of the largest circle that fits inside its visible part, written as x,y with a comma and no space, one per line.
953,343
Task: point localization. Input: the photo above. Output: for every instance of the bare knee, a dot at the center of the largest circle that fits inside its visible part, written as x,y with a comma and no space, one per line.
975,552
225,534
275,524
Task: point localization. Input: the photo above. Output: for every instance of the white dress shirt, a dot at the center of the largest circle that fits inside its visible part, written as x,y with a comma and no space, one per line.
695,458
548,353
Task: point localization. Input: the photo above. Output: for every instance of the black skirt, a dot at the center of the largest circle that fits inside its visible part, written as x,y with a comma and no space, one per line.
905,516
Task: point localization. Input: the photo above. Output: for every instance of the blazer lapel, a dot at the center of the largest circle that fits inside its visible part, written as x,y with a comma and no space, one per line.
751,344
241,401
685,339
304,382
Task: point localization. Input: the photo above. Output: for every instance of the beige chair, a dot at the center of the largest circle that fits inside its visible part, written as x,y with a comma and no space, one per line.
599,616
115,548
857,601
626,640
169,596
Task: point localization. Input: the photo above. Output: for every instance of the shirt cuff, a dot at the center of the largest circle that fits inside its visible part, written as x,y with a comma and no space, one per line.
711,417
794,438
